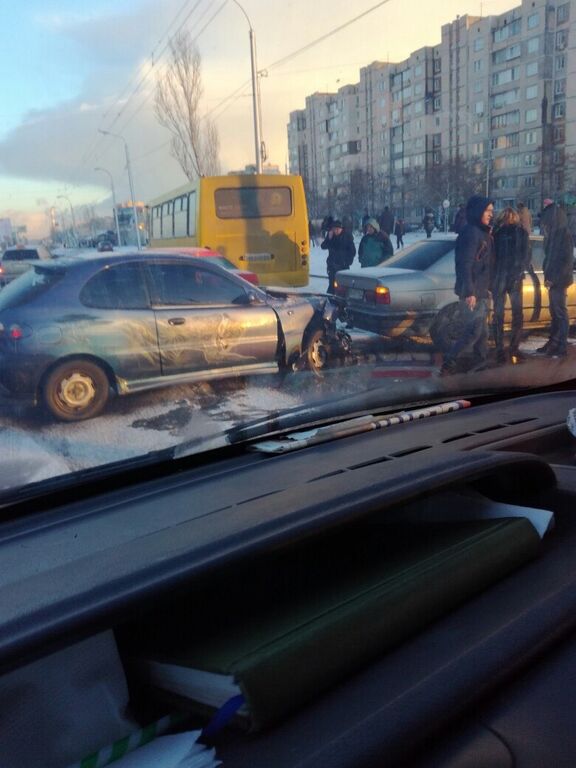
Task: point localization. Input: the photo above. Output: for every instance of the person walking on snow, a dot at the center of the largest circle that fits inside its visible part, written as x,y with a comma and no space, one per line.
375,247
341,251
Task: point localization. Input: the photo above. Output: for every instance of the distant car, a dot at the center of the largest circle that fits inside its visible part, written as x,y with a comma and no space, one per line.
73,330
412,294
20,258
104,246
216,257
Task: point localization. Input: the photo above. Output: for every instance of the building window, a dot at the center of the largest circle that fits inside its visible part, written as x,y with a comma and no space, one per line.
563,13
561,39
531,91
560,87
478,65
531,68
479,44
533,45
531,137
559,110
437,103
560,62
533,20
437,66
531,115
559,134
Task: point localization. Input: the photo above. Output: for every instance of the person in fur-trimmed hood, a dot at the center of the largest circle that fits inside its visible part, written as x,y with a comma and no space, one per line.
474,254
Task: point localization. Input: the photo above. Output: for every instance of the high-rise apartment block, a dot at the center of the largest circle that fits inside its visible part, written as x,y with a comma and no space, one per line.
491,109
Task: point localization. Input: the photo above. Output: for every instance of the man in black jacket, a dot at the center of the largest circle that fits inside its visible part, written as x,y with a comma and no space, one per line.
341,251
558,275
474,255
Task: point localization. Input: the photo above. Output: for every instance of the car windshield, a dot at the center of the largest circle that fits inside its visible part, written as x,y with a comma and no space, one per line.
308,147
421,256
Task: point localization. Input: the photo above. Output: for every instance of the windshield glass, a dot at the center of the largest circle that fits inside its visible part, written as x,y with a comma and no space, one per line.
236,207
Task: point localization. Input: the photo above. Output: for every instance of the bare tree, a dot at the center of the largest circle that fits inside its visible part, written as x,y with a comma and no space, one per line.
195,143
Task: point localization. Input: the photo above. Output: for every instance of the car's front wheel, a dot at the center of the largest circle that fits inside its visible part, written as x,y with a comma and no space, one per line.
318,353
76,390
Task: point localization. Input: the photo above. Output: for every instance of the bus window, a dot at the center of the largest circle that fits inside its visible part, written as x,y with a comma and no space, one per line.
252,202
167,223
181,216
192,214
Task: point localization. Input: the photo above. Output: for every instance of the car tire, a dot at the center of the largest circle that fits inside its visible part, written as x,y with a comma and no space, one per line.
75,390
446,327
317,353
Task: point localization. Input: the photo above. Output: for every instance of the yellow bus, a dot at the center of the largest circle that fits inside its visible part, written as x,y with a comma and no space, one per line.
259,222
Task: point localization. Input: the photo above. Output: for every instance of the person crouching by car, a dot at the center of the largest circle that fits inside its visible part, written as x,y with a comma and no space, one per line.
474,253
558,275
511,261
375,247
341,251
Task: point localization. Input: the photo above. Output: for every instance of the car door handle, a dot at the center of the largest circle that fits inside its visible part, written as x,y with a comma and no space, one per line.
176,321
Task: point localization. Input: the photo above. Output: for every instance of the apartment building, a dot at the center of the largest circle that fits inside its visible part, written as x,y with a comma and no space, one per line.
491,108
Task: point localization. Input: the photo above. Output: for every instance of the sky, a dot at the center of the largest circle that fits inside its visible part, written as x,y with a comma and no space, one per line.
73,68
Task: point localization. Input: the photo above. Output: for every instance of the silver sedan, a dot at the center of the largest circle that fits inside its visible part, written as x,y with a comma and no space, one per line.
412,294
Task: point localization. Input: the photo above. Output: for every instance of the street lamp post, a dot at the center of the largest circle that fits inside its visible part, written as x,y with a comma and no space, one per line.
113,203
74,234
130,182
255,93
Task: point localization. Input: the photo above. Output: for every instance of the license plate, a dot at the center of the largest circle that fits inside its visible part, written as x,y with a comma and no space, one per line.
356,294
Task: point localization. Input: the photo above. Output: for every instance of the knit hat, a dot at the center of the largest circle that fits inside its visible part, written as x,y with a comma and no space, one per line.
374,224
336,223
548,202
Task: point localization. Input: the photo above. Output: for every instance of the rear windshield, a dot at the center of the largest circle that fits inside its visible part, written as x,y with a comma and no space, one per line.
28,286
252,202
22,254
422,256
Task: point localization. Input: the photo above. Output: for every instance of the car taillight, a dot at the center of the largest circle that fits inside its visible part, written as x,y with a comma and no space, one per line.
339,290
381,295
15,332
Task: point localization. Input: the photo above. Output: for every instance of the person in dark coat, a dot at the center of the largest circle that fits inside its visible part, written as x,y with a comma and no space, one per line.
386,221
399,230
459,219
511,261
375,247
341,251
474,252
558,275
428,222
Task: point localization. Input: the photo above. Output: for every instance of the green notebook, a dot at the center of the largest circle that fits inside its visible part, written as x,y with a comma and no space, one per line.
298,620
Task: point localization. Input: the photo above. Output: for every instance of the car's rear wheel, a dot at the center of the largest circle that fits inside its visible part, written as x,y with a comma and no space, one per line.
76,390
318,353
446,327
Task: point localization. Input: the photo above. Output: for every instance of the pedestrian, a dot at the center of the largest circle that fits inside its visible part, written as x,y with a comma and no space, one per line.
428,222
474,253
386,221
312,233
459,219
341,251
399,232
365,219
558,275
525,216
375,247
511,261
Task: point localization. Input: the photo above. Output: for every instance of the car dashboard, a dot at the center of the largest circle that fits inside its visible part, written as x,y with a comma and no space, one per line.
488,682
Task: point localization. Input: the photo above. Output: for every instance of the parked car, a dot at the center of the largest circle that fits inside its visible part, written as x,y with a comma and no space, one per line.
73,330
20,258
104,246
216,258
412,294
